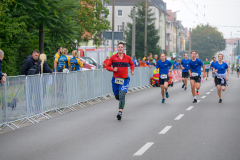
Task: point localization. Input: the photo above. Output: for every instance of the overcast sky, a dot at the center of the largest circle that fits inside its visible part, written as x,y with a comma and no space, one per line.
219,13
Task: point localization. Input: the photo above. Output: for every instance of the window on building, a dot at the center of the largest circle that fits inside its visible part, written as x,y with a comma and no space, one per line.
120,28
119,12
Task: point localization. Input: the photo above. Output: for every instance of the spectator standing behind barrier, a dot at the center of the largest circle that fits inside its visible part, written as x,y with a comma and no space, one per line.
106,62
147,61
151,62
44,69
2,75
43,65
31,64
75,62
150,56
155,59
177,65
55,59
64,61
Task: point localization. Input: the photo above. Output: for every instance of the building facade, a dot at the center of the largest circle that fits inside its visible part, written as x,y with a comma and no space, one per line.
123,9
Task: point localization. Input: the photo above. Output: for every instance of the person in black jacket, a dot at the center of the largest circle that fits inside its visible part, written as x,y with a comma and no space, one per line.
31,64
2,75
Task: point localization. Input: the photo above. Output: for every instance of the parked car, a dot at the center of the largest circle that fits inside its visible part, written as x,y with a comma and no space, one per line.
92,61
86,66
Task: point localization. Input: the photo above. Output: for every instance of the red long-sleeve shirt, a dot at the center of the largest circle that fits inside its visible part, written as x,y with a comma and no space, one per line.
122,65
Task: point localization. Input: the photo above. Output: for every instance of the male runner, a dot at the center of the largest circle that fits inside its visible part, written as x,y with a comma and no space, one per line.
195,74
237,70
219,69
207,66
185,67
212,65
120,80
164,74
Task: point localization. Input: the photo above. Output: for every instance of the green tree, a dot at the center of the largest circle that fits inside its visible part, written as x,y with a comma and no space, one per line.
26,25
152,32
207,41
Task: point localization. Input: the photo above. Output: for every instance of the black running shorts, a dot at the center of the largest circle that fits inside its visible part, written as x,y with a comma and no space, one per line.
162,81
218,82
197,79
185,74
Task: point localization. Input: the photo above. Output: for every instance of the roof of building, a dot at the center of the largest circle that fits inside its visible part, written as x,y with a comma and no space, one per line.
232,40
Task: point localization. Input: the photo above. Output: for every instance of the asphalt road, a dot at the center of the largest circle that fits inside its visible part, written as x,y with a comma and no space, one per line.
149,130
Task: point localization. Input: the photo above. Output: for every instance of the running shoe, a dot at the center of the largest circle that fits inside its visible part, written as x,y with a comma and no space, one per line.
220,100
194,101
167,95
163,100
197,93
119,116
183,85
185,88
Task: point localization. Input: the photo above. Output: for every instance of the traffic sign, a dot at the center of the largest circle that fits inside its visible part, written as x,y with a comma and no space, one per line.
117,35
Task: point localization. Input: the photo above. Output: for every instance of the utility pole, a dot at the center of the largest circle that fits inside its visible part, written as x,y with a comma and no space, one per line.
113,18
190,41
145,36
168,50
133,32
238,52
176,37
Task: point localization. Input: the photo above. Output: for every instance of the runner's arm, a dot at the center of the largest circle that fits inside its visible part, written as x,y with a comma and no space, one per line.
109,64
171,68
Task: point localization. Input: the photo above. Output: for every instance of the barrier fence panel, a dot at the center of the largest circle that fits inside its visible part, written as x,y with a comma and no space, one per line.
25,97
98,78
48,88
107,82
90,84
72,89
34,101
3,104
81,86
61,90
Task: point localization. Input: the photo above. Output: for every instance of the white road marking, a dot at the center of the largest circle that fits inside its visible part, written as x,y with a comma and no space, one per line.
208,92
179,117
165,130
143,149
198,101
189,108
211,89
203,97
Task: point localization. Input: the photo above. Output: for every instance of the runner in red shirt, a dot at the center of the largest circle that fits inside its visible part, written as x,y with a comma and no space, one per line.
120,80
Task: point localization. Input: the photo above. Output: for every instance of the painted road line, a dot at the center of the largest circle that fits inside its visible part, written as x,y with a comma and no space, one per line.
208,92
189,108
198,101
143,149
165,130
203,97
179,117
211,89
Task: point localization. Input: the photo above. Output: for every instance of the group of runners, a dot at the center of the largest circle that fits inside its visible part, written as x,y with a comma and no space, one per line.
118,64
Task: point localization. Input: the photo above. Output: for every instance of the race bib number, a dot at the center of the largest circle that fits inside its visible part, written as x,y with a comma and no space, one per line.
163,76
119,80
194,74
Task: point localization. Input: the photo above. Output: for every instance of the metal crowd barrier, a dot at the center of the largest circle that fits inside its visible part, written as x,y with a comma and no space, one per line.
26,98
